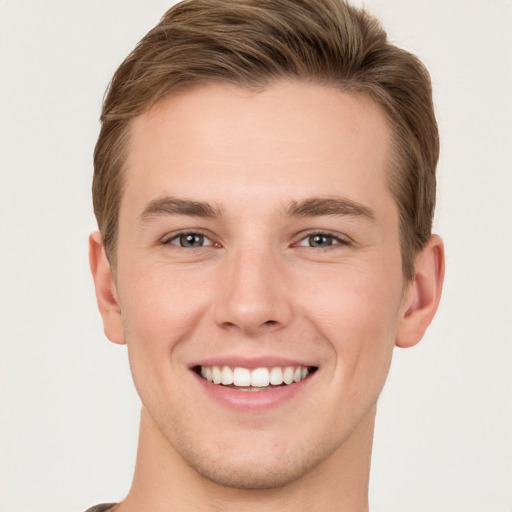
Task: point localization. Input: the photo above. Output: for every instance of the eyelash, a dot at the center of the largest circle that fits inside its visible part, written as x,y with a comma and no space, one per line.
176,236
337,238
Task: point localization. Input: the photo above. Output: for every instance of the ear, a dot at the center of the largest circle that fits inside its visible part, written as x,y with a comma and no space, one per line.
106,294
423,294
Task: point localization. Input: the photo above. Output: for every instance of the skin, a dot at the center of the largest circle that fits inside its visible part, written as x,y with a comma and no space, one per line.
258,287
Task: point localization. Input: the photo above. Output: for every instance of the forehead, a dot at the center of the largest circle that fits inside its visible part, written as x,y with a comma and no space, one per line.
287,139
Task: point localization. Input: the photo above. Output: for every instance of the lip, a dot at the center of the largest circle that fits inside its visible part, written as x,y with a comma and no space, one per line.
252,400
251,363
256,401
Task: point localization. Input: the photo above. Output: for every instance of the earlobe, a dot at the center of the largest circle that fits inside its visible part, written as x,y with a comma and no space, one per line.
106,293
423,294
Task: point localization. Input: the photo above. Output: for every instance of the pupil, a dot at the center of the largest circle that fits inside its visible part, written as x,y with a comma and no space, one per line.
191,240
320,240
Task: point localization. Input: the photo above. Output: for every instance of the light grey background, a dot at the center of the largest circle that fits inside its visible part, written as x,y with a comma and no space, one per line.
68,410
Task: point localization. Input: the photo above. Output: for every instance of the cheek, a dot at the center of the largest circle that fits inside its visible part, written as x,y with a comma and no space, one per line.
357,313
158,315
160,301
159,311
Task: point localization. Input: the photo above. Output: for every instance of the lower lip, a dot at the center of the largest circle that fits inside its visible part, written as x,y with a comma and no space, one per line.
253,400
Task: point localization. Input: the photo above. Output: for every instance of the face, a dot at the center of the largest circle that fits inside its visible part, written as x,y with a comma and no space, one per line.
259,276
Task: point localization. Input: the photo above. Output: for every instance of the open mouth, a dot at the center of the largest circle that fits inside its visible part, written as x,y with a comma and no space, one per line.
256,379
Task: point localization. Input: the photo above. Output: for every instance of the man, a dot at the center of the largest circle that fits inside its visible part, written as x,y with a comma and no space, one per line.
264,187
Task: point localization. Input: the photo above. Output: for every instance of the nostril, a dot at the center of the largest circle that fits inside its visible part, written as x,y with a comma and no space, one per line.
270,324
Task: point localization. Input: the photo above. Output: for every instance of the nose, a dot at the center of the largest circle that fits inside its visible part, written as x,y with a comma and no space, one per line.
253,296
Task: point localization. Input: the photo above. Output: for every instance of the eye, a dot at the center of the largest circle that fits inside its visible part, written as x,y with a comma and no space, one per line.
189,240
321,240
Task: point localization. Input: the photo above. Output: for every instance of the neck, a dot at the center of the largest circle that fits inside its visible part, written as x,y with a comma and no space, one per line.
164,482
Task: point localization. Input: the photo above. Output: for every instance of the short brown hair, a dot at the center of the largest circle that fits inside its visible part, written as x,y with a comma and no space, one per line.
253,43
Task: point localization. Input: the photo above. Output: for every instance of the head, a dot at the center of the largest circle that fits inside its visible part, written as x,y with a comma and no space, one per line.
264,187
253,45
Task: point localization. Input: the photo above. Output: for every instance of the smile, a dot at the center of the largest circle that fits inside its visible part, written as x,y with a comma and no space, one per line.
257,379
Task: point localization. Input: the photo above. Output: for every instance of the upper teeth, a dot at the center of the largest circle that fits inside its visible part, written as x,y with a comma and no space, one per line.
258,377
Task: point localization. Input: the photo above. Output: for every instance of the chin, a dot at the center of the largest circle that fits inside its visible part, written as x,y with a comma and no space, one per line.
264,468
248,476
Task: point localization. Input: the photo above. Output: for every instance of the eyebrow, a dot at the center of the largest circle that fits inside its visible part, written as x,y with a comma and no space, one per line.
312,207
319,206
173,206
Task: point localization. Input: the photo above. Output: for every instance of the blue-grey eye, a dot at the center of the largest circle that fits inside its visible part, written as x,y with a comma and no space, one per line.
319,240
190,240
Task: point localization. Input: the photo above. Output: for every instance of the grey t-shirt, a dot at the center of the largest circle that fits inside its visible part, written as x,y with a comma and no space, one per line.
100,508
